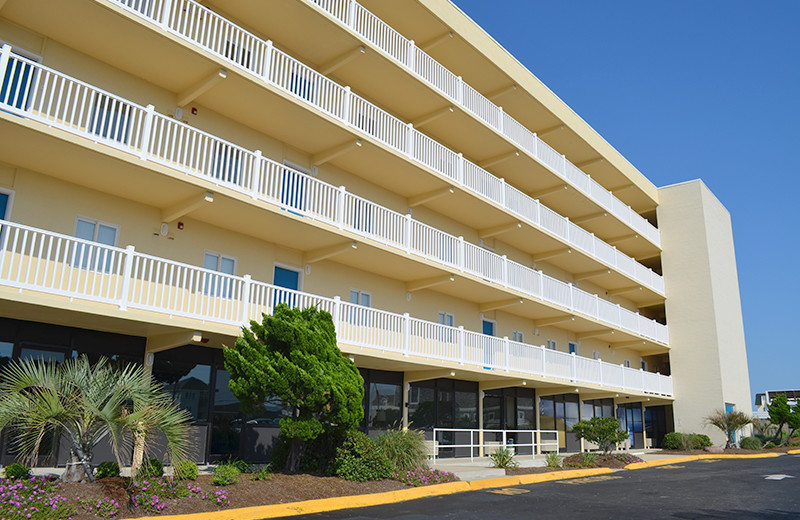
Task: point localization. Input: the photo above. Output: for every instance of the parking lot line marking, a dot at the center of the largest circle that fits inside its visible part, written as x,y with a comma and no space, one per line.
671,466
509,491
587,480
779,476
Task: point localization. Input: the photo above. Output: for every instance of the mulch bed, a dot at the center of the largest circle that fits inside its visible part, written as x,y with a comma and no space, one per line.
571,462
280,489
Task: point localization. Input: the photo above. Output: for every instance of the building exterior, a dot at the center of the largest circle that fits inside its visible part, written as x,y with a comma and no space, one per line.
171,170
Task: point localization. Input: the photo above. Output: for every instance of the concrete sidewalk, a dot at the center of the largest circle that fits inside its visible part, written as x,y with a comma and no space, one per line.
481,467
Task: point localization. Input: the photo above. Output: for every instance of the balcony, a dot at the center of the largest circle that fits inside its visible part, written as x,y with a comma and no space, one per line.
44,262
358,26
257,58
41,94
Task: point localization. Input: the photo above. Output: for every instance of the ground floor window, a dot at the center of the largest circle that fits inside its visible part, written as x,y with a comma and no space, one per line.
509,409
657,422
383,399
443,403
630,420
560,413
597,408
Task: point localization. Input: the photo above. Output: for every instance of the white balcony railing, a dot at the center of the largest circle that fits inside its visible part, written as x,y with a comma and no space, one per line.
42,94
202,27
379,33
42,261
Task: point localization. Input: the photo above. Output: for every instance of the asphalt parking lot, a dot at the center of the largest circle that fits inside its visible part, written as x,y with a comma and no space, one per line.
704,489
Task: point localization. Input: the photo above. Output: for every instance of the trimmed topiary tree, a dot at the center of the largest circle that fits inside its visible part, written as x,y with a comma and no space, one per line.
293,355
603,431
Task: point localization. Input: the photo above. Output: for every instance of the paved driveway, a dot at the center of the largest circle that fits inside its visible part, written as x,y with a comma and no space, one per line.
705,489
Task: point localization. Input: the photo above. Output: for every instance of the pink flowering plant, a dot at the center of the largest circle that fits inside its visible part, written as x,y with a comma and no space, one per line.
33,499
424,477
625,458
152,494
103,507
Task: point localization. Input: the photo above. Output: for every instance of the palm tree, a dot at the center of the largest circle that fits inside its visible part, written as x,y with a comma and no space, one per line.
81,403
729,423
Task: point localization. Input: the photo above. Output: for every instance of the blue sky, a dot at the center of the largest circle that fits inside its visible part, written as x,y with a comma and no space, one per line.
684,90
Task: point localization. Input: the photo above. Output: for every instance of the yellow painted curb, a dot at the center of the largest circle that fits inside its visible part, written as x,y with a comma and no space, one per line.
376,499
793,452
688,458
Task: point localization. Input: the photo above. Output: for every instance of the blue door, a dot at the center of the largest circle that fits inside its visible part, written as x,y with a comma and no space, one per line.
488,346
16,87
729,408
293,190
289,279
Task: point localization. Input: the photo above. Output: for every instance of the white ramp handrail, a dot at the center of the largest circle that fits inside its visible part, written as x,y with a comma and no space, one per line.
55,99
485,440
201,26
52,263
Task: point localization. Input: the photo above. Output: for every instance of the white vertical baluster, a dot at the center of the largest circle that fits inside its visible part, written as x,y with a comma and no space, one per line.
408,225
410,62
507,352
166,9
267,62
460,340
244,311
348,99
340,207
255,180
500,119
406,333
126,278
573,367
144,144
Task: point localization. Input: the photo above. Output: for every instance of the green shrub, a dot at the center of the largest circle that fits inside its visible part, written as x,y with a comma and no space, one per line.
239,464
503,458
751,443
225,475
186,470
603,431
769,445
685,441
552,460
360,459
264,473
700,441
152,468
107,469
672,441
405,449
589,459
18,471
